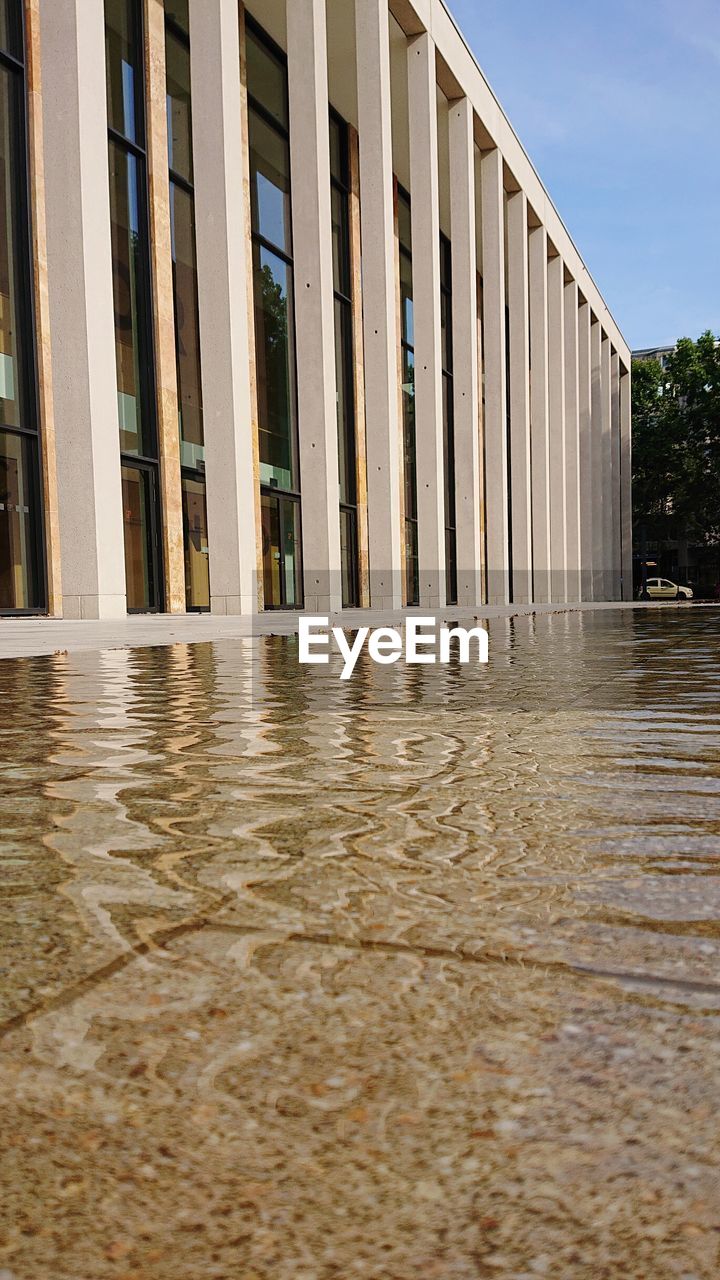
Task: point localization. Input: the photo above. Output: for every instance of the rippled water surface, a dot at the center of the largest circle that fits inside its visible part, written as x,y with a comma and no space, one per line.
413,976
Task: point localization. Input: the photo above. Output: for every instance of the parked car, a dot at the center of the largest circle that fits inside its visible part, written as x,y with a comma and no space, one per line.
664,589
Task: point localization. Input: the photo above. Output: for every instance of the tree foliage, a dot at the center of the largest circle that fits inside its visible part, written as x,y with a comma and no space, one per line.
676,442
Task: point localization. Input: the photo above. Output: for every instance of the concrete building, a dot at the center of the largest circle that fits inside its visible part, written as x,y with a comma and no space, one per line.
288,319
662,354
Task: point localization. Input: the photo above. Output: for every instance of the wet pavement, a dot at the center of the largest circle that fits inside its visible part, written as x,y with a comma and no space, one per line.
410,977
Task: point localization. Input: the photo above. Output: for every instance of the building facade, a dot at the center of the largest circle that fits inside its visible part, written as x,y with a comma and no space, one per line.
288,320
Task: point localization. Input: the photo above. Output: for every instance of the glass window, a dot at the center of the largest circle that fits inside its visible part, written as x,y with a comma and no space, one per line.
138,509
130,292
187,326
12,284
338,151
266,79
345,405
123,41
408,396
348,556
448,419
341,242
281,551
20,577
404,222
178,107
273,295
270,184
412,567
197,572
11,27
177,11
275,368
406,300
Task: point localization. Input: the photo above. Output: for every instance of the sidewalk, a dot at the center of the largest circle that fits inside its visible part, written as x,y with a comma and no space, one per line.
35,637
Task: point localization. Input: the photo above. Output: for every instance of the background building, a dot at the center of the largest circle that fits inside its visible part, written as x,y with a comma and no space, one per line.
287,318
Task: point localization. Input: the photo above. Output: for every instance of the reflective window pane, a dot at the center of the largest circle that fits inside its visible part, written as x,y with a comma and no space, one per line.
337,151
178,11
446,330
12,284
404,222
344,393
20,577
11,27
412,573
187,327
281,552
131,295
451,566
348,557
406,300
340,242
123,53
290,512
271,557
266,79
178,107
138,499
197,572
270,184
408,399
275,368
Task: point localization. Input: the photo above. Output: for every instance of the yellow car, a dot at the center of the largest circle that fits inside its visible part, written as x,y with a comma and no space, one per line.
664,589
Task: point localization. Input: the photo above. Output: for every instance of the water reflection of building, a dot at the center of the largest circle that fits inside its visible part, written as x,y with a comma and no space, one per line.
273,280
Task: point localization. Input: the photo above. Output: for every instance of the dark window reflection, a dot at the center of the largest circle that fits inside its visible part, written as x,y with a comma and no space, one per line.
274,318
123,53
132,295
138,495
20,578
448,419
11,27
344,358
13,292
197,570
407,319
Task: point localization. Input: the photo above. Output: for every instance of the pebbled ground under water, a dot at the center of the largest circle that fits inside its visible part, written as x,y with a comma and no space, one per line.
412,977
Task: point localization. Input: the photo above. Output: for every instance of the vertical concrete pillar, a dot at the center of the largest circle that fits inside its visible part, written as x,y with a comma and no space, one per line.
425,213
556,407
379,302
539,414
496,472
597,459
163,308
572,442
223,253
606,467
468,487
81,309
626,485
519,332
585,447
615,476
314,302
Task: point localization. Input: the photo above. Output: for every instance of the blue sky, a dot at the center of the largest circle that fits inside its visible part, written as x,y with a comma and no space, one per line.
618,107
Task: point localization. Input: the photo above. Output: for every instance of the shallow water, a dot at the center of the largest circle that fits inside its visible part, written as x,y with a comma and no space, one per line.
413,976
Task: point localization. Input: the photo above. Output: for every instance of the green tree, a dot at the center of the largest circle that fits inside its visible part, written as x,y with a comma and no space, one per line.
676,443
